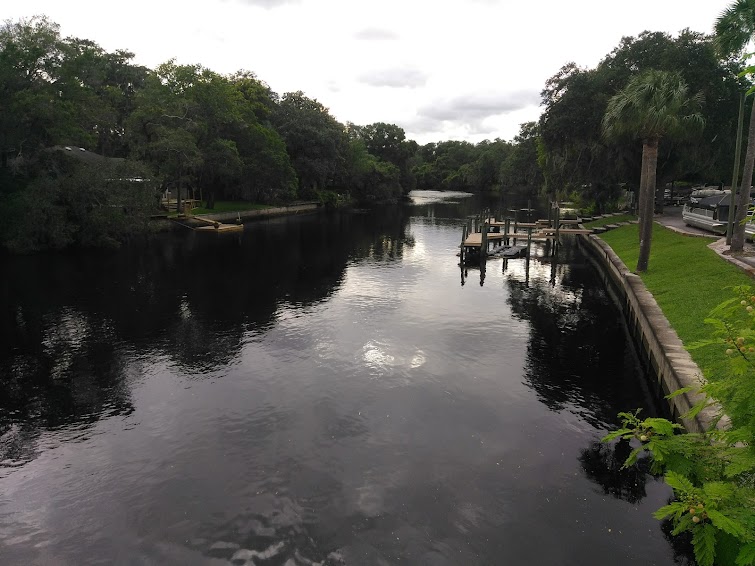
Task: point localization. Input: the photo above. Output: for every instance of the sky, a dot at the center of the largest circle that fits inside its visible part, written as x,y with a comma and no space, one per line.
440,69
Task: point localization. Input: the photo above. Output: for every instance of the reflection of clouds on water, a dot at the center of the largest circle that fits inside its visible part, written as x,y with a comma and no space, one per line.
429,197
384,358
63,338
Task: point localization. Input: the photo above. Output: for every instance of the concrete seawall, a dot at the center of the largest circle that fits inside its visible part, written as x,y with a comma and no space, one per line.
657,342
262,213
164,224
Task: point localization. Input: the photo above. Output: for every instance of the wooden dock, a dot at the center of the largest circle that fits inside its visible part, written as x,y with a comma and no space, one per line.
484,228
211,226
221,228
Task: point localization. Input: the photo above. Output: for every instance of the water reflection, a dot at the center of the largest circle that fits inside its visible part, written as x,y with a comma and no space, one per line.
322,391
75,326
603,463
572,359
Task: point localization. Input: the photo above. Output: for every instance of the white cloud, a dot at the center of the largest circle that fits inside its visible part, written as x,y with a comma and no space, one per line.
476,106
268,4
376,34
436,57
396,78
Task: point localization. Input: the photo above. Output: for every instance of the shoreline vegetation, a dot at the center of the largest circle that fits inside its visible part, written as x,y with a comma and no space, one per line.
710,304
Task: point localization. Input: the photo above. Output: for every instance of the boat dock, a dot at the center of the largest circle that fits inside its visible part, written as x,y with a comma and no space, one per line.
483,230
208,226
215,226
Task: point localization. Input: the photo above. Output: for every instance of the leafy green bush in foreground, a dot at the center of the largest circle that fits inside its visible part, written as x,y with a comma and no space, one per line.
712,473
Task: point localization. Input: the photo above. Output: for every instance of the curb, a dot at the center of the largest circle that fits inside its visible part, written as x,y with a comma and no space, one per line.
718,247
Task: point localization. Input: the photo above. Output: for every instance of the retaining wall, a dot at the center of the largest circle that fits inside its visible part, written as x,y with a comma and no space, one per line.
657,342
262,213
165,225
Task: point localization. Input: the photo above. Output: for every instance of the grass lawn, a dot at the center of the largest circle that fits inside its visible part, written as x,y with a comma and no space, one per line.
610,220
687,280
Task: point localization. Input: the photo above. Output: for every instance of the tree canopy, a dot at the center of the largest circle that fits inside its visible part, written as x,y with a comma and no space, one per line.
190,129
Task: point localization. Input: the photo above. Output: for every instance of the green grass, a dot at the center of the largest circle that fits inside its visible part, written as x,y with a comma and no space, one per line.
610,220
687,280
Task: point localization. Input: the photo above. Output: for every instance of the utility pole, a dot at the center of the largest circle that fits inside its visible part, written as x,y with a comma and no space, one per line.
735,176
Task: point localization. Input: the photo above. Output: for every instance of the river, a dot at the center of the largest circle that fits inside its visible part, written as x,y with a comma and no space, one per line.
327,389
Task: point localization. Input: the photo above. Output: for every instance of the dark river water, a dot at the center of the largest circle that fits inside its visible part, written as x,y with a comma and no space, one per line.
322,391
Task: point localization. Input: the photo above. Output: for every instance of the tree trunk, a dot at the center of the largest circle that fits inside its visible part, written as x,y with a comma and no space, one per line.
743,202
642,193
649,164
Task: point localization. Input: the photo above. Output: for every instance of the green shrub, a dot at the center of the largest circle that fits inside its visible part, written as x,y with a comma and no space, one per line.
712,473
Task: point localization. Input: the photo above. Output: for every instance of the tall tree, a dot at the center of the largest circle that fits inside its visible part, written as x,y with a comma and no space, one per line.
654,105
735,28
521,169
388,143
316,142
576,156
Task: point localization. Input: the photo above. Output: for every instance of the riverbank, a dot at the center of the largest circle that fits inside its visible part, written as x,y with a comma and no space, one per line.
166,224
667,305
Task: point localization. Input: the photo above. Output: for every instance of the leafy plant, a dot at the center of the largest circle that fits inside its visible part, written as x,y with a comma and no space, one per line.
712,473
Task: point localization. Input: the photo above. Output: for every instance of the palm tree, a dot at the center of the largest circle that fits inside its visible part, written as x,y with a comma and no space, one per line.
735,28
653,105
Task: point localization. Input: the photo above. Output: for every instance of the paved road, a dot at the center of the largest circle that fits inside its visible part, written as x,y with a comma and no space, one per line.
672,218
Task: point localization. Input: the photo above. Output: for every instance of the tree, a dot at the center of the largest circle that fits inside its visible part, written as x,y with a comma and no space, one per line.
735,28
487,174
576,157
368,178
654,105
521,169
30,58
388,143
204,129
315,140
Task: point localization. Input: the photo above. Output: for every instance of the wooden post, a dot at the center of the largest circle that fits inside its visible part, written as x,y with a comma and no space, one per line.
550,213
558,224
484,246
506,228
529,239
461,248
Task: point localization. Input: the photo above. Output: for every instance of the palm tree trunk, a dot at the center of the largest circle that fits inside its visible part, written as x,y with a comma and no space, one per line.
641,204
743,202
647,188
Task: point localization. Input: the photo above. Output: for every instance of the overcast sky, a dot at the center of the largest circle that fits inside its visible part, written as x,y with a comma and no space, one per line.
441,69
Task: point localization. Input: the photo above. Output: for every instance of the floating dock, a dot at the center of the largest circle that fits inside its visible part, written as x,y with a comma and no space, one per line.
218,227
209,226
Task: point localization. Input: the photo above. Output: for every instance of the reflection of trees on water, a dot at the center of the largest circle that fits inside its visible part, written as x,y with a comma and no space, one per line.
684,554
579,356
602,463
75,326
